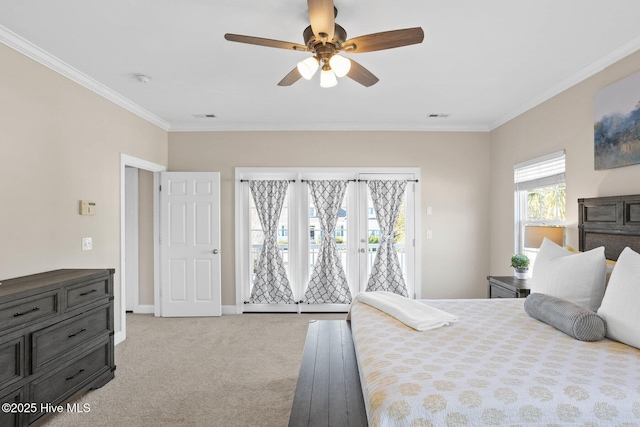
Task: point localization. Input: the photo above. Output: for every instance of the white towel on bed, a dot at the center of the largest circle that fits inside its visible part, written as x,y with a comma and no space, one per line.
412,313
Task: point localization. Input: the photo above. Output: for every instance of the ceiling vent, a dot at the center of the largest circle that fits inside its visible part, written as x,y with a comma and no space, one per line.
436,115
204,116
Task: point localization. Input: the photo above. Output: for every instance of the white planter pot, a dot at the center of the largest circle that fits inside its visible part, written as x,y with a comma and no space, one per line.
522,273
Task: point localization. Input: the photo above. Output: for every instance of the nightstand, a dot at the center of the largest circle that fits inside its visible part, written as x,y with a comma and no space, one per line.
508,287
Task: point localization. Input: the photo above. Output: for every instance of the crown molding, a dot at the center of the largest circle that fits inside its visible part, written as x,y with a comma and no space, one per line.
614,56
25,47
330,127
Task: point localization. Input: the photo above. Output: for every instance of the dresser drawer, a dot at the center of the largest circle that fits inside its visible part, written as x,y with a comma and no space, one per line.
84,293
64,382
16,400
23,311
11,362
54,341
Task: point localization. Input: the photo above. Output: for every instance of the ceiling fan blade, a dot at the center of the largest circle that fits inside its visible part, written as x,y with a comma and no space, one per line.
264,42
293,76
384,40
360,74
322,18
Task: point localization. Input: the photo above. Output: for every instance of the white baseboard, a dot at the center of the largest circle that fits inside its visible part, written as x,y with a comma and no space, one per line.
229,309
144,309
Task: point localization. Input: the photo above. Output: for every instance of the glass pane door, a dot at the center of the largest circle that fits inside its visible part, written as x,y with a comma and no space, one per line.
316,235
370,233
257,236
373,234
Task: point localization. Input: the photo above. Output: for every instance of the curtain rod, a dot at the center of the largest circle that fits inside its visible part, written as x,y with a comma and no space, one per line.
365,180
348,180
248,180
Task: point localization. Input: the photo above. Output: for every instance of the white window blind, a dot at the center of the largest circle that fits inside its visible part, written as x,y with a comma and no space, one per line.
540,172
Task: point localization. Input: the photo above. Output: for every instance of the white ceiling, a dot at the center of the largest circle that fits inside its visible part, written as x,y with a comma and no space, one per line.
482,61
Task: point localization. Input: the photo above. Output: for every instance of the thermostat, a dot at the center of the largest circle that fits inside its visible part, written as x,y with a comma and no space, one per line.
87,207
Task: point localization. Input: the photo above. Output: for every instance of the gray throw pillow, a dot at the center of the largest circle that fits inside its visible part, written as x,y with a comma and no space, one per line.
565,316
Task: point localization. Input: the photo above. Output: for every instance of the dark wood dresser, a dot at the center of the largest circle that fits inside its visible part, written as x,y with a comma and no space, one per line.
56,338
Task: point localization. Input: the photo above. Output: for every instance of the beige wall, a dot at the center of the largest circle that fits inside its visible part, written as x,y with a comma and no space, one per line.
145,238
61,143
454,182
563,122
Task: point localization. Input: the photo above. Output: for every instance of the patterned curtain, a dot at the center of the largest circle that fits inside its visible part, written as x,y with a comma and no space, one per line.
386,273
328,283
271,284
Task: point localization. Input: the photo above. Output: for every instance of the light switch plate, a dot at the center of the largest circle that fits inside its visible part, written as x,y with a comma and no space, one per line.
87,243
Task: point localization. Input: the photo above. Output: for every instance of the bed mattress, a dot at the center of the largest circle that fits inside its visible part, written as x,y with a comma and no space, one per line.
495,366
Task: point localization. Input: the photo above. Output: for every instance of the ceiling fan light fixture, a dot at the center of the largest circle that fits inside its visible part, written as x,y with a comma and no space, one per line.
308,67
328,78
340,65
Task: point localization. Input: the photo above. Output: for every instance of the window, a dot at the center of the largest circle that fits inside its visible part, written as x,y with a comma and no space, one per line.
540,203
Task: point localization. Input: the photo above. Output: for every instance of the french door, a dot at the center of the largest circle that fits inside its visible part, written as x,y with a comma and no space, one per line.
300,235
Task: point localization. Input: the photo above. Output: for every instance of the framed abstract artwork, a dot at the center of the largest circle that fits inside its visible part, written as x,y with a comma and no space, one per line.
617,124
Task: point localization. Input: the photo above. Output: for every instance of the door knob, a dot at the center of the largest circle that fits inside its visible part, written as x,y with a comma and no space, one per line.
362,250
215,252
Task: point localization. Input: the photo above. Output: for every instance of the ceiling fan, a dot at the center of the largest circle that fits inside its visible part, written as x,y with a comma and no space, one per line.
325,39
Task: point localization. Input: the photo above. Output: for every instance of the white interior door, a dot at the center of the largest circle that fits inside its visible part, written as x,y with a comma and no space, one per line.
190,244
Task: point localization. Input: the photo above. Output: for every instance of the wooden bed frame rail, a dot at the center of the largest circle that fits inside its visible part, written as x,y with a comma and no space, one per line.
328,391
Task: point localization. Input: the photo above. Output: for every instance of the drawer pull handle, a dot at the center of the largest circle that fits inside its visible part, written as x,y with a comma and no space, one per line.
89,292
81,330
75,375
26,312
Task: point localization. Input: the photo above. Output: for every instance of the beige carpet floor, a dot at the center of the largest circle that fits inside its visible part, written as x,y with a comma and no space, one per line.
238,370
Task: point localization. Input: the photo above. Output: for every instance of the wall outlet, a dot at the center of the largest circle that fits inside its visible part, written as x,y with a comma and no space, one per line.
87,243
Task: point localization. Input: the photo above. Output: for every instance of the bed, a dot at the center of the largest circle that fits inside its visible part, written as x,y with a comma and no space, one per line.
497,365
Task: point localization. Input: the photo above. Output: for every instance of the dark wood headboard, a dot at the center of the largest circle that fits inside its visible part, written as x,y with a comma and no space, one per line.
612,222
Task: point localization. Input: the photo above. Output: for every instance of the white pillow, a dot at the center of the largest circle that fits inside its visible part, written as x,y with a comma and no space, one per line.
579,278
621,303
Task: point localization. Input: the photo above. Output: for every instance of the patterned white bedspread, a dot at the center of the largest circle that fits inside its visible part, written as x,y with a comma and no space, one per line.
496,366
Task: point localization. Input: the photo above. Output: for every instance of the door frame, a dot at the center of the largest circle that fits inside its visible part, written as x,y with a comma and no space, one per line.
127,160
241,217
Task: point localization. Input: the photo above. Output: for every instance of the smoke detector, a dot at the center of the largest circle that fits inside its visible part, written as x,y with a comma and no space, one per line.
143,78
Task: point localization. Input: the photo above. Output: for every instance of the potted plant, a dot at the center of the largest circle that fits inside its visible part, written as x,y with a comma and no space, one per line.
521,263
